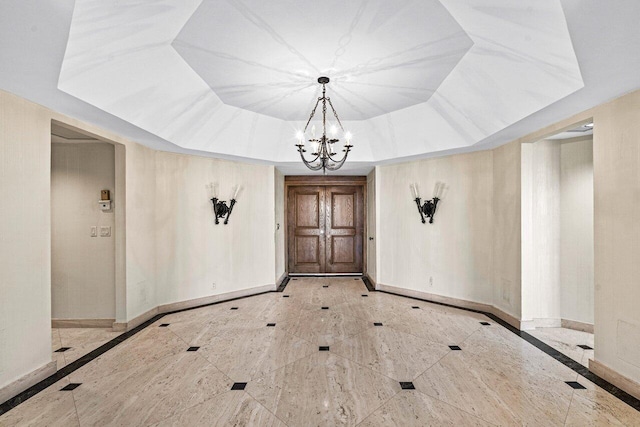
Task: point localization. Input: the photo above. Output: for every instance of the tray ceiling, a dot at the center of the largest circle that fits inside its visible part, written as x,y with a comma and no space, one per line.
238,77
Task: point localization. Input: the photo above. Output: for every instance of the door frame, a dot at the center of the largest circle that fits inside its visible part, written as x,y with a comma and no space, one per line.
302,180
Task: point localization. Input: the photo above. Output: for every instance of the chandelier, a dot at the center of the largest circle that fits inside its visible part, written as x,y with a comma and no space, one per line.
323,148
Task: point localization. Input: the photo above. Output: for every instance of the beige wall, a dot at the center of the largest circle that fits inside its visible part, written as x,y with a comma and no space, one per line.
506,237
192,251
82,267
576,230
25,238
279,230
140,183
616,171
452,257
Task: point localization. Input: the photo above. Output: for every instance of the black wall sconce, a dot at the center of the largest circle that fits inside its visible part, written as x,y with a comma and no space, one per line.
220,208
428,208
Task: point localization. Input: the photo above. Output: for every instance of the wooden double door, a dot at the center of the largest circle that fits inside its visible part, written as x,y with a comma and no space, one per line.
325,228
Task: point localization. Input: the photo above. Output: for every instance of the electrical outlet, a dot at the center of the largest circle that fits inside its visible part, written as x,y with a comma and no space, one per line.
430,281
105,231
94,231
213,286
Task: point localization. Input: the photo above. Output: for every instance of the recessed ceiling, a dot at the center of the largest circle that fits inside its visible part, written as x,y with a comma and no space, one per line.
266,57
520,59
411,79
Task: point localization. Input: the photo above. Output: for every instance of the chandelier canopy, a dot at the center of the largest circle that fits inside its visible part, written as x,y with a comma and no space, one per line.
323,148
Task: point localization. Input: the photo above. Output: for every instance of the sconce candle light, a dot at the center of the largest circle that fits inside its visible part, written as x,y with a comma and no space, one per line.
428,209
220,208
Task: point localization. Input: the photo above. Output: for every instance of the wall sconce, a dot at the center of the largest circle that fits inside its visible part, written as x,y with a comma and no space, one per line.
428,209
220,208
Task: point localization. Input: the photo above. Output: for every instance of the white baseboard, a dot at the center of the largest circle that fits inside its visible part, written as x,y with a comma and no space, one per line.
513,321
281,279
578,326
192,303
82,323
606,373
531,324
21,384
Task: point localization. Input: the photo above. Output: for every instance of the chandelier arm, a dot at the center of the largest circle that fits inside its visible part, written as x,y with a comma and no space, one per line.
337,165
348,150
312,166
313,112
301,151
335,113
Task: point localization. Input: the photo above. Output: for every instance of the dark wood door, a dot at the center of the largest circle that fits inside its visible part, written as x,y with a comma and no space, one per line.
344,227
325,229
306,222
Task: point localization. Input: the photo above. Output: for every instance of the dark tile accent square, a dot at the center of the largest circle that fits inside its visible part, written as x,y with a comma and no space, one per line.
377,324
407,385
234,308
365,295
585,347
71,386
356,279
238,386
415,307
193,348
271,324
325,308
285,296
485,323
325,286
62,349
575,385
294,279
323,348
164,325
454,347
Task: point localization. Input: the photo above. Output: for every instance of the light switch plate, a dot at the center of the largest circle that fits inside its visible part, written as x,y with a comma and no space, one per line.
94,231
105,231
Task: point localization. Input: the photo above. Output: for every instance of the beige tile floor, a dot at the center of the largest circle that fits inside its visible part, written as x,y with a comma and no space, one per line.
566,341
80,341
497,378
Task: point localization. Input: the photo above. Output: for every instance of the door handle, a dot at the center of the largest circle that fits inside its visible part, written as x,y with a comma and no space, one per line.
370,238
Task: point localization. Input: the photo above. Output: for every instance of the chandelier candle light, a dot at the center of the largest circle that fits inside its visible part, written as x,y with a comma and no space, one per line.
323,148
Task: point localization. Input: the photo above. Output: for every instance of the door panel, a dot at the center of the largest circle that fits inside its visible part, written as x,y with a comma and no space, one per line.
344,228
306,229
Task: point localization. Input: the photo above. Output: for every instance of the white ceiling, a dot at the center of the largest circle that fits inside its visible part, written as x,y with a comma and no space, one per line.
266,57
235,79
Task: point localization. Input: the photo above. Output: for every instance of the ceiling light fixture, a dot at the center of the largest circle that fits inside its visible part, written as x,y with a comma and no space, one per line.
323,148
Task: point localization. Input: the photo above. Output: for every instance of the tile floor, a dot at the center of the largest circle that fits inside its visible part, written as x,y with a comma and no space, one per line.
566,341
496,378
69,344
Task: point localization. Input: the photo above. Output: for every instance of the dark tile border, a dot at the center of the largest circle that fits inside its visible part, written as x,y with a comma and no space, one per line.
368,284
284,284
83,360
